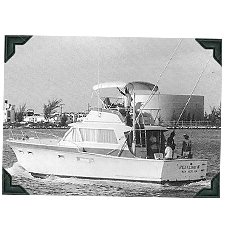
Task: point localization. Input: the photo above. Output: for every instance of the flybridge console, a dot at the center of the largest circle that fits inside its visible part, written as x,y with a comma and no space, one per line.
104,115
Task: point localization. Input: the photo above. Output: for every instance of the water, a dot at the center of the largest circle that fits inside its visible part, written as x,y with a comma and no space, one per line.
206,144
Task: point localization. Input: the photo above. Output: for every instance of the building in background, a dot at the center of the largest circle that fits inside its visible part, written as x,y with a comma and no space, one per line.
31,117
35,118
169,107
9,112
29,112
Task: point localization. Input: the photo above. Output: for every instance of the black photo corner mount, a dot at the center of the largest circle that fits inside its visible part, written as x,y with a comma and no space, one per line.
12,40
10,47
212,42
213,192
8,188
10,44
215,44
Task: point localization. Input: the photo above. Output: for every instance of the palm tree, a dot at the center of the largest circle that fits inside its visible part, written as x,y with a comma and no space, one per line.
20,112
219,112
219,115
50,108
213,115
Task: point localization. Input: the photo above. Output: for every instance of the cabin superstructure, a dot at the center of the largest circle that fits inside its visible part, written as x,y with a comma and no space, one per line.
119,129
95,134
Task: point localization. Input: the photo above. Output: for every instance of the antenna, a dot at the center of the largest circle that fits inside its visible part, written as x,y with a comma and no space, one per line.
98,72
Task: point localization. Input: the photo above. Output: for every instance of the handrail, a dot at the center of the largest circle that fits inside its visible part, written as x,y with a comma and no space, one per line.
122,149
114,150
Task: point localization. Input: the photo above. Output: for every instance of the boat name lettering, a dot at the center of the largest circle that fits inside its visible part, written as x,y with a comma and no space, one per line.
188,167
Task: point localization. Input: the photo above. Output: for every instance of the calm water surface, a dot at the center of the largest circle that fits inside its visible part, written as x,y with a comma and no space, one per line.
206,144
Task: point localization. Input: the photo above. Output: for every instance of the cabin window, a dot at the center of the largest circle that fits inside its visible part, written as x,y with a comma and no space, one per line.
72,136
107,136
98,135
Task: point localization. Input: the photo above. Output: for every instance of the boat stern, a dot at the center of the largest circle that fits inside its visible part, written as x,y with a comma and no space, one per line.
184,170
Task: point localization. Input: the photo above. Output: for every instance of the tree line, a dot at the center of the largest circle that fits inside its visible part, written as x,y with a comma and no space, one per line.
214,117
49,110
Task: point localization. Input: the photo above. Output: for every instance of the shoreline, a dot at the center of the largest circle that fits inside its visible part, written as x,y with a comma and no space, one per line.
168,127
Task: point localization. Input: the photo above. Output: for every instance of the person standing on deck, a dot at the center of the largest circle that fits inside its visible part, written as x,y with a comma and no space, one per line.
128,99
128,120
152,146
186,147
170,140
168,152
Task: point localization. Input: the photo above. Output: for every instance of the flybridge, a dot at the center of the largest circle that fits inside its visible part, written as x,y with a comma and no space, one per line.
117,84
128,109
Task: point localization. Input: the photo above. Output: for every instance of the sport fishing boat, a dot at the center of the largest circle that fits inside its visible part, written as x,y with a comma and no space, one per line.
114,141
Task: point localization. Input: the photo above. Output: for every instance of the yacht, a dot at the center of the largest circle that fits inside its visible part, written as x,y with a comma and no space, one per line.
114,141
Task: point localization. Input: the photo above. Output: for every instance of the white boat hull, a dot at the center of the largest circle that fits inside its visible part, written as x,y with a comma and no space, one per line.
63,161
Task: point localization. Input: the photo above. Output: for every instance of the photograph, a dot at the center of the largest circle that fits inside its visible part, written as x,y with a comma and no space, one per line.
112,116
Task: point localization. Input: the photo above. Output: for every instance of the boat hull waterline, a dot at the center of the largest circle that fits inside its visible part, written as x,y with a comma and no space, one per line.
67,161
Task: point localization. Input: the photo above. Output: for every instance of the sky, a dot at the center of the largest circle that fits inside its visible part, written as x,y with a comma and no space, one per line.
52,67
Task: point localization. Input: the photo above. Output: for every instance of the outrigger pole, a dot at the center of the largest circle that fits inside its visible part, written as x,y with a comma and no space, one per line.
192,92
191,95
152,93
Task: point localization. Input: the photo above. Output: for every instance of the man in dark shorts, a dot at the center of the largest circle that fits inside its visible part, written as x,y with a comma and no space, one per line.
170,140
186,147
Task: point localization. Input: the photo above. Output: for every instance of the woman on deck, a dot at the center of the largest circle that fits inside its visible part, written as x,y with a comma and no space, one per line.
168,152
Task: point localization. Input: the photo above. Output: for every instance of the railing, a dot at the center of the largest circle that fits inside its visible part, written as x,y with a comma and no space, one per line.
20,134
191,124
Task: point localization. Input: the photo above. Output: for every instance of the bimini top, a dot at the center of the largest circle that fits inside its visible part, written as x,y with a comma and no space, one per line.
115,84
140,86
131,86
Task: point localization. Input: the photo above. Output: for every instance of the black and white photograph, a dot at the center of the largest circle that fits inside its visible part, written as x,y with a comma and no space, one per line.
112,116
112,112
